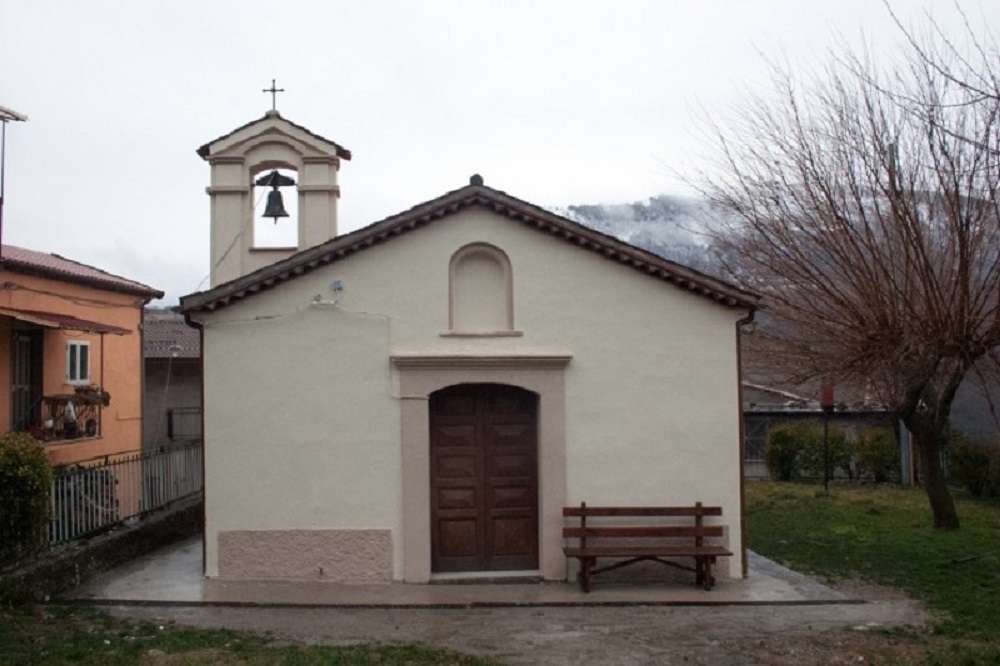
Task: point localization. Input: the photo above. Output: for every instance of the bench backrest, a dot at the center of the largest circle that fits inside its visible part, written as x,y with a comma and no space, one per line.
698,531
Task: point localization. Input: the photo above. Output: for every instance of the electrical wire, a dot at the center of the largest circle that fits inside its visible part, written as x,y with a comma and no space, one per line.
78,300
232,243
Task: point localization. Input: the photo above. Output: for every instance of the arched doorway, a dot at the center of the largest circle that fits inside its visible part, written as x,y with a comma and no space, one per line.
484,478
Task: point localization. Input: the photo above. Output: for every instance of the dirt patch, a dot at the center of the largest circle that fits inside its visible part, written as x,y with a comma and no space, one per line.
919,615
188,658
833,647
861,589
724,635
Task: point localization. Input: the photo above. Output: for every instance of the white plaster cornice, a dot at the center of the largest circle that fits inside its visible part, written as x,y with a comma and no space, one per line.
227,189
321,159
320,188
226,159
479,360
285,248
481,334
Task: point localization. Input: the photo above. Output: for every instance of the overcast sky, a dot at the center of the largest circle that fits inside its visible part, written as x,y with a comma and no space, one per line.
555,102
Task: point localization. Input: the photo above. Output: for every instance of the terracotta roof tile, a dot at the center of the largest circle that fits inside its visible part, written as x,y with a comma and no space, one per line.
166,335
21,259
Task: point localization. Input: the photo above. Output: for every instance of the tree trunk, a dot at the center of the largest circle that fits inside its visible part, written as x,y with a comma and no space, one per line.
928,439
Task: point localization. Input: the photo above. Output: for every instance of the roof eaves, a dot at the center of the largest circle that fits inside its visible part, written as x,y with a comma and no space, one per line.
685,274
205,150
111,283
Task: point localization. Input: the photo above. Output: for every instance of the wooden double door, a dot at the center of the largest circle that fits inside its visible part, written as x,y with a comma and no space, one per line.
484,478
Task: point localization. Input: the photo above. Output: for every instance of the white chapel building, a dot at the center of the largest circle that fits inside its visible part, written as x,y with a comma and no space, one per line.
424,395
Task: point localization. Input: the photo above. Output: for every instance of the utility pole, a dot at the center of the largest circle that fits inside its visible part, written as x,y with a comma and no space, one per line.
826,403
6,116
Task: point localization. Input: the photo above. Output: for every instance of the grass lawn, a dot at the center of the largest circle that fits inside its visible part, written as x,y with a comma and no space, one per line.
883,534
70,635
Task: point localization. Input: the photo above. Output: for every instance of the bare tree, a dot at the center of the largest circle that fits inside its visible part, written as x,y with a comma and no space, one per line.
972,70
862,204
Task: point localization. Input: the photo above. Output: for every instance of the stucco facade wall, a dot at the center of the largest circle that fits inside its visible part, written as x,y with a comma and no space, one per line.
121,421
303,404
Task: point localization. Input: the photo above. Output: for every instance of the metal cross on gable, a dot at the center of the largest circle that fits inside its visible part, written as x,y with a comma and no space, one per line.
274,94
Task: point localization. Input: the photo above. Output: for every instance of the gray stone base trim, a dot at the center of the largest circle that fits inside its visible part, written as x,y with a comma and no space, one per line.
337,556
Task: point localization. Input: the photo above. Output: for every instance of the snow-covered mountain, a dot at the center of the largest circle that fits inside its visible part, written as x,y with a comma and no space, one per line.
668,225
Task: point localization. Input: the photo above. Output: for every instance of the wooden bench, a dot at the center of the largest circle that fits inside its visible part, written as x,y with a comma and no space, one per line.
704,554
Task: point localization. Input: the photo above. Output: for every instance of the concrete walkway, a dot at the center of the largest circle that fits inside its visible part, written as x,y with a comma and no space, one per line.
775,617
172,576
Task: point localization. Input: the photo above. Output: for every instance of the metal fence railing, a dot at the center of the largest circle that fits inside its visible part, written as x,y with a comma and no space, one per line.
89,498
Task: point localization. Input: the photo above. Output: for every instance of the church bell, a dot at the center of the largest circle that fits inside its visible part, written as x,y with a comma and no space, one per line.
275,207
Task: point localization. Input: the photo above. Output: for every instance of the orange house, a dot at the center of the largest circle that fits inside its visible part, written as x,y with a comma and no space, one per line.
70,354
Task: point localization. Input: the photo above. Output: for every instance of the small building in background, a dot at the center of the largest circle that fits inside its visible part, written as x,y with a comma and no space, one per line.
172,387
768,405
70,355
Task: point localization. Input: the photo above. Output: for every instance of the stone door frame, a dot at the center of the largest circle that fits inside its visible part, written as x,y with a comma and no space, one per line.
421,375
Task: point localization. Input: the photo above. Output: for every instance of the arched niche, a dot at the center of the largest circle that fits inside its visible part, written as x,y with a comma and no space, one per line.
481,291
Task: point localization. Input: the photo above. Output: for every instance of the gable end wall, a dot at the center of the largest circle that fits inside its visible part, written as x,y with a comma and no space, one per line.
303,404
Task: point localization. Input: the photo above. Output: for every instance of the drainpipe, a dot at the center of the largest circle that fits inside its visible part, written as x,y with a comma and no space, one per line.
204,478
740,323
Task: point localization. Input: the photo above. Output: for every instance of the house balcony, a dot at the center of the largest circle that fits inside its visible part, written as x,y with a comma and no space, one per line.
50,386
71,416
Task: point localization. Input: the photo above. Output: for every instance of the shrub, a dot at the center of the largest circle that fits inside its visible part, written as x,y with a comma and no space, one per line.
25,480
977,467
784,449
813,459
878,455
782,456
796,449
993,487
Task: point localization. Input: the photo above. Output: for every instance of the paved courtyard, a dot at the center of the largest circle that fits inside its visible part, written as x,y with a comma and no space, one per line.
775,616
173,575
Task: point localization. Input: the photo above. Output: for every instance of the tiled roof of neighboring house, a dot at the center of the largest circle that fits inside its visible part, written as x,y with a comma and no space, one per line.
165,335
777,396
343,153
784,393
771,366
474,194
23,260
